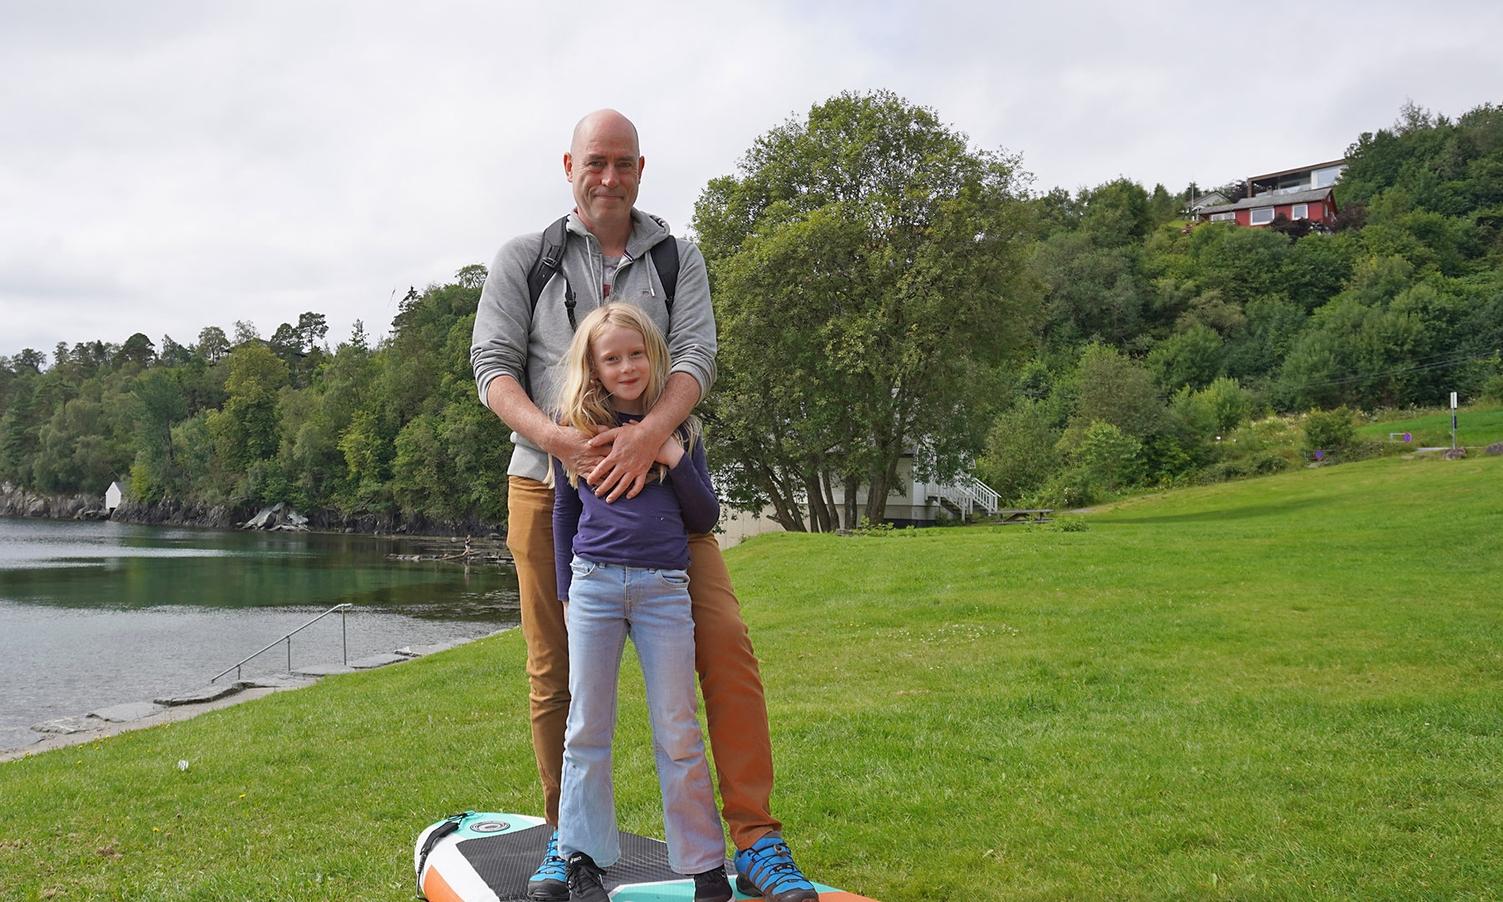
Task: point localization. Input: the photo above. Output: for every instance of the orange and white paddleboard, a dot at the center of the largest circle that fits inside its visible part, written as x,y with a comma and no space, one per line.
488,857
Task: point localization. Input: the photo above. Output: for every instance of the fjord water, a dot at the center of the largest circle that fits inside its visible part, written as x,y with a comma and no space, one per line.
95,614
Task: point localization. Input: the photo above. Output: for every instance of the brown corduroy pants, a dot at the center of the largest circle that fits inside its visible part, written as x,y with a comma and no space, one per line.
729,678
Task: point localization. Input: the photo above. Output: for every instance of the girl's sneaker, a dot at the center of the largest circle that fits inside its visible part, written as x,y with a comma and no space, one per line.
586,880
712,886
767,870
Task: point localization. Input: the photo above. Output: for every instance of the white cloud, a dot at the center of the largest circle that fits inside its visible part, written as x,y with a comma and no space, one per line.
166,166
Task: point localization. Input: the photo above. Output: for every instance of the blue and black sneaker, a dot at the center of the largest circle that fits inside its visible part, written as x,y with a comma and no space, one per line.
767,870
551,882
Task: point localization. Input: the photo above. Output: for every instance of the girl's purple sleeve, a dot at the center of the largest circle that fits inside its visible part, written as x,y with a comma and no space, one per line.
696,494
566,509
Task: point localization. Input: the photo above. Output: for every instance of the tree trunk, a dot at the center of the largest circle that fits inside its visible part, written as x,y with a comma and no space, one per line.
883,476
876,497
824,483
783,507
819,515
852,486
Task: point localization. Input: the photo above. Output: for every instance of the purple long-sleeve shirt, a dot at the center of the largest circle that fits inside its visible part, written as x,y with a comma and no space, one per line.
650,530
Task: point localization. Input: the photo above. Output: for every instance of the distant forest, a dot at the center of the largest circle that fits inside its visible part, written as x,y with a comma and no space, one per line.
1144,338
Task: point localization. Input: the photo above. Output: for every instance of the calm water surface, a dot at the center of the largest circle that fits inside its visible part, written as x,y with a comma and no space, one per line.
95,614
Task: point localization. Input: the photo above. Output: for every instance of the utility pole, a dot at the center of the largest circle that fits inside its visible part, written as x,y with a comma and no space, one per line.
1453,421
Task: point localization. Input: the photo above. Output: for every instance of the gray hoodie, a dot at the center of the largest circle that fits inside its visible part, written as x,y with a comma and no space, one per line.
512,339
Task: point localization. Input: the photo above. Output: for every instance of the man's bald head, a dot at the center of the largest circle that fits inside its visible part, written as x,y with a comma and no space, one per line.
603,123
604,166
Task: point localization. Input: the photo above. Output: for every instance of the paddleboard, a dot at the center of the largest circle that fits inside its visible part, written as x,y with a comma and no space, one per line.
488,857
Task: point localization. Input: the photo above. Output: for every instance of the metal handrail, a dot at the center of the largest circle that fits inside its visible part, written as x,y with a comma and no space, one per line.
344,636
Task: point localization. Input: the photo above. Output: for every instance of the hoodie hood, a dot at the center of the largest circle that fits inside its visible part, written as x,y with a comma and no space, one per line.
646,231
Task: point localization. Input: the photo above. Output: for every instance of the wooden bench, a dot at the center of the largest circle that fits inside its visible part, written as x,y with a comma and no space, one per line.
1025,515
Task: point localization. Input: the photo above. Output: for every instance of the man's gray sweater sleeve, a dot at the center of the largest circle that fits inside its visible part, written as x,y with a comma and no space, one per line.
503,318
691,337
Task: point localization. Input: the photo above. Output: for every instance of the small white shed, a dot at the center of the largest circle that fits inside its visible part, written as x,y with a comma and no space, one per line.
112,496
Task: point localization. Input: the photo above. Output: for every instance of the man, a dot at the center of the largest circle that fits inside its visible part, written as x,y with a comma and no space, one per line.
515,352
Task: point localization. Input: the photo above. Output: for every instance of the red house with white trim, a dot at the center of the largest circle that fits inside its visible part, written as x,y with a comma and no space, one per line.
1303,193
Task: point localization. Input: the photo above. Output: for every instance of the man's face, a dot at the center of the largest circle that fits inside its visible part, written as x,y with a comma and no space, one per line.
604,168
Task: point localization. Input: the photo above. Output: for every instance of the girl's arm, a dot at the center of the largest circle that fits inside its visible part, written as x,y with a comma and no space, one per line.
690,478
566,508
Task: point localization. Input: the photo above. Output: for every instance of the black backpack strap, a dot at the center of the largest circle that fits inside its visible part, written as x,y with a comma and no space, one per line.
665,260
550,259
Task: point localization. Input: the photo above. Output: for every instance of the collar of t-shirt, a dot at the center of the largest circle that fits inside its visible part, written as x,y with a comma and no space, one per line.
608,275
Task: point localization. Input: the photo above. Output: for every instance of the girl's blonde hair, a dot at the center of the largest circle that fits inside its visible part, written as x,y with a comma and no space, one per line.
584,403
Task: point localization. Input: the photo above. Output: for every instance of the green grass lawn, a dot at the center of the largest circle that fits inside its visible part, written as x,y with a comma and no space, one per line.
1289,687
1479,425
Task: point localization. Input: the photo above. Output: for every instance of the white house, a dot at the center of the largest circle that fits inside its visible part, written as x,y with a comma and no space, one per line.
112,496
915,503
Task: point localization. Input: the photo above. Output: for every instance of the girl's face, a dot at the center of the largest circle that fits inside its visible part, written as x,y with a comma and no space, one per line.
619,358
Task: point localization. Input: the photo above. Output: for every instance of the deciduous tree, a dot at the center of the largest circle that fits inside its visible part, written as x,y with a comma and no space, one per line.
868,277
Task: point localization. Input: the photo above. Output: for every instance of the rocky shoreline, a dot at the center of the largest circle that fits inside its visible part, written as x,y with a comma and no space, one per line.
21,502
172,707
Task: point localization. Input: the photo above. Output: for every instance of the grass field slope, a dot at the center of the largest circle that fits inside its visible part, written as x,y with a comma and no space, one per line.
1475,426
1289,687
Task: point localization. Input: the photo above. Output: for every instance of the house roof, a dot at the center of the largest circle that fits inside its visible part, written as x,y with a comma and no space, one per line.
1273,200
1281,172
1204,200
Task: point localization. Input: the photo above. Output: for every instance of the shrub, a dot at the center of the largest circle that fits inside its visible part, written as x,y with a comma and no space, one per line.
1020,453
1067,489
1331,431
1229,403
1109,457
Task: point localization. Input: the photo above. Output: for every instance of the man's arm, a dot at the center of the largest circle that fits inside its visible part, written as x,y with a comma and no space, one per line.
506,399
634,446
692,347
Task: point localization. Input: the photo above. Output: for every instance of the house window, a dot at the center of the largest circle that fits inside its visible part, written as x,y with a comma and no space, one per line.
1262,215
1223,217
1300,211
1320,178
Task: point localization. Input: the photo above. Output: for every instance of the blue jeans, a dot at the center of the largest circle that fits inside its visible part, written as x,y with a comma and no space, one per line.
607,603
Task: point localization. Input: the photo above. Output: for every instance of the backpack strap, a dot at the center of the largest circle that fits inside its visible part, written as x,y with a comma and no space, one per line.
546,266
664,256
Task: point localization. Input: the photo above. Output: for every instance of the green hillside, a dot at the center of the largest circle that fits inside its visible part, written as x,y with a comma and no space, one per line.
1475,426
1286,687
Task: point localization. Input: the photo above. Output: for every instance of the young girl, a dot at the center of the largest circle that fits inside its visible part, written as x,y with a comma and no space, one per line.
621,570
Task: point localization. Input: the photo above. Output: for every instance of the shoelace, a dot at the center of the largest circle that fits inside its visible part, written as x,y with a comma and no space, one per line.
553,866
776,863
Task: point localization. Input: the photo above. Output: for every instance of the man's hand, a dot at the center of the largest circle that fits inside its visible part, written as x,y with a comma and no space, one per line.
633,449
578,453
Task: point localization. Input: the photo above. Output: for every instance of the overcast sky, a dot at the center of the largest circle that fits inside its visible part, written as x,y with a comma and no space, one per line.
166,166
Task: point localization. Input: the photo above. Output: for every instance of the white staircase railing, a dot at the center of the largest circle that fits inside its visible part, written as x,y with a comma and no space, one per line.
967,493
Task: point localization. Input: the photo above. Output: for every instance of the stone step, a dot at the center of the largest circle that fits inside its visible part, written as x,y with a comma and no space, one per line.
380,660
274,682
322,670
200,695
418,651
65,726
126,712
